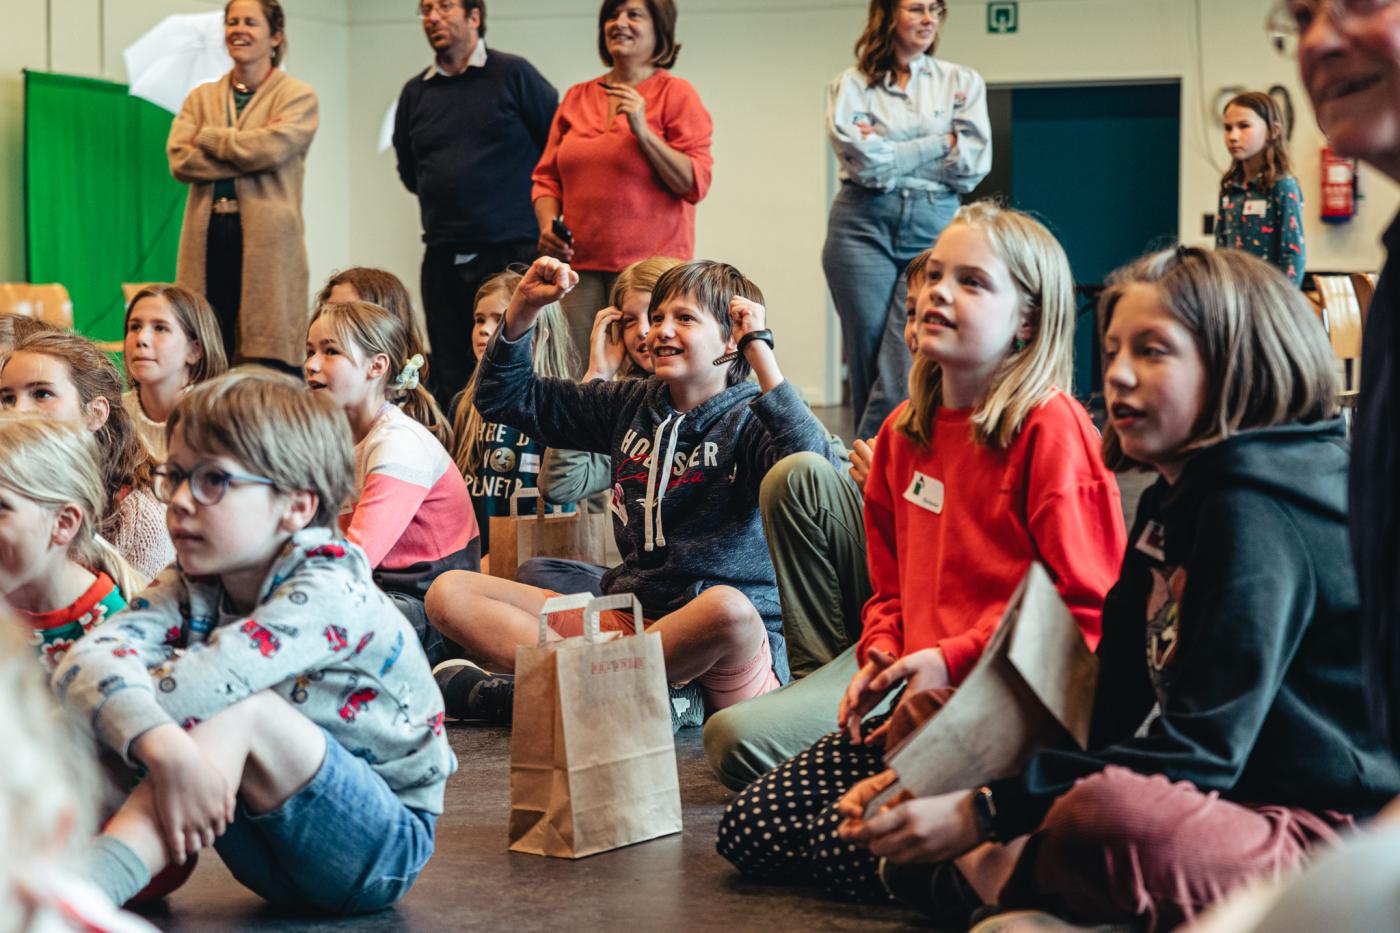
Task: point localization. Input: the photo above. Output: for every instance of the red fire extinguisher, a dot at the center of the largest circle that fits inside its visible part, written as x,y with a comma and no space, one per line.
1338,188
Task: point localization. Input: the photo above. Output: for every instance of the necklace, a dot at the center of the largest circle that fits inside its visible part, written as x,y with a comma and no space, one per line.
240,87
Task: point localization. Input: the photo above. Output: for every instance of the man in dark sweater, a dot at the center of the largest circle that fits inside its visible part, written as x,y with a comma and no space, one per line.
468,132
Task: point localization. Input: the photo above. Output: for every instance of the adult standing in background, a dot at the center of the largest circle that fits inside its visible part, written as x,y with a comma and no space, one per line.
467,133
911,133
240,143
628,159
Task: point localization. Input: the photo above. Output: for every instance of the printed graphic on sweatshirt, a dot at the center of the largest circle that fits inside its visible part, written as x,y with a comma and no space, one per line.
1164,625
510,462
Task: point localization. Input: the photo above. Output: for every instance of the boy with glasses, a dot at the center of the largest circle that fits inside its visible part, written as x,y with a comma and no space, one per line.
266,685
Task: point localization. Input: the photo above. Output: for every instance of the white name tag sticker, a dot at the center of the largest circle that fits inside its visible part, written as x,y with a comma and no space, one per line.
925,492
1256,207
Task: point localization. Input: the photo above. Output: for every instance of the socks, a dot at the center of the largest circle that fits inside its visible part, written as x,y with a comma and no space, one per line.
116,869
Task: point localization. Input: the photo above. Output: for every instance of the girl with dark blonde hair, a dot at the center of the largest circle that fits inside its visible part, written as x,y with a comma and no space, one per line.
409,509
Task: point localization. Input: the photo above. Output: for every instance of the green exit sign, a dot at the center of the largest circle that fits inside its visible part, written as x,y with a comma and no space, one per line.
1003,16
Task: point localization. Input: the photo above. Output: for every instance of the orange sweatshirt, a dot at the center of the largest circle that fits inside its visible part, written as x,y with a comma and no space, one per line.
951,528
612,199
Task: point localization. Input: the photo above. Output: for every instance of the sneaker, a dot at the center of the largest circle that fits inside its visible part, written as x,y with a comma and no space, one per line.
687,706
470,693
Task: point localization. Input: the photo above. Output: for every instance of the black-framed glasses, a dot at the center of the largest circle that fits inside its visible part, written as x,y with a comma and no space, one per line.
208,483
440,7
1290,19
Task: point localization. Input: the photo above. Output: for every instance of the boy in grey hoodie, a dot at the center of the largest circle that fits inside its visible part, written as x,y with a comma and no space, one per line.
267,686
686,521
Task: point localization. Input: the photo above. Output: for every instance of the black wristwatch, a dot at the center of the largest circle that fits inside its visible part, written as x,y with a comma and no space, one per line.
765,335
984,813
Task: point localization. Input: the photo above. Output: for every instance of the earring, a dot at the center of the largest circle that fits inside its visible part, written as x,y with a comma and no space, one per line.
1020,344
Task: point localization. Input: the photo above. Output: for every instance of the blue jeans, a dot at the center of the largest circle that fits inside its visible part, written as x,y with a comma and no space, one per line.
870,237
561,576
343,844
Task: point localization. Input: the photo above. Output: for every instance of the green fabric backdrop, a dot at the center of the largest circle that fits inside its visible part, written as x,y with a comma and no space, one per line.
100,205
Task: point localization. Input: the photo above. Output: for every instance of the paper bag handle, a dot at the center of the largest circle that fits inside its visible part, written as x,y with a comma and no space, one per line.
526,493
562,604
616,601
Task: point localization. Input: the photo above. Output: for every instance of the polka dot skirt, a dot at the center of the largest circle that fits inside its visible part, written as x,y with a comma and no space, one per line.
783,826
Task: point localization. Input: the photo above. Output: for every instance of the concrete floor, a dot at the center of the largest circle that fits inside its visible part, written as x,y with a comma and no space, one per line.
473,882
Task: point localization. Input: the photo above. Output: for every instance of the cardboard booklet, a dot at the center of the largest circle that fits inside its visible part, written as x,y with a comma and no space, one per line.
1032,686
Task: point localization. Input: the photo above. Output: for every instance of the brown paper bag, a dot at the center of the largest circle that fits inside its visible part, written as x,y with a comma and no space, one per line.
592,758
1033,685
516,538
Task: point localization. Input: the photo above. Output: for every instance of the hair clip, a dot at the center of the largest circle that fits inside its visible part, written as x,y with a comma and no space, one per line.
407,379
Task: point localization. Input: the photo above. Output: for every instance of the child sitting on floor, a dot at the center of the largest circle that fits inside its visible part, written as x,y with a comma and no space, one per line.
689,449
1230,739
65,376
48,790
409,510
172,342
497,459
65,579
276,697
989,466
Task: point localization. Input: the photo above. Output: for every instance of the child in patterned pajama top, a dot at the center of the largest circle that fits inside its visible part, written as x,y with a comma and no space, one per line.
267,686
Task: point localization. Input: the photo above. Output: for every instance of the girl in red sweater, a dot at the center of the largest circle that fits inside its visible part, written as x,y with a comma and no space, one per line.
989,466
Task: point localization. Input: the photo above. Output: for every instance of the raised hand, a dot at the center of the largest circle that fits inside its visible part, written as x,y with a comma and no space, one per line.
605,354
626,101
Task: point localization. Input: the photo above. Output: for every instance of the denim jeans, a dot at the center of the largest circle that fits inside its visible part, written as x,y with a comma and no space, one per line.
343,844
870,237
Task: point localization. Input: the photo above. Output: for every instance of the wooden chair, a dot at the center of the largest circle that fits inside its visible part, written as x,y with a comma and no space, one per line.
48,303
1341,316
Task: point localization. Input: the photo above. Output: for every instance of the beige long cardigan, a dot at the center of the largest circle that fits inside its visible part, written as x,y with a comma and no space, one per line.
264,152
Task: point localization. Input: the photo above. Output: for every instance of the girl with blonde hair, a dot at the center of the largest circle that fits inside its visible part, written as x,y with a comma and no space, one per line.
991,465
65,376
409,509
496,459
55,568
172,342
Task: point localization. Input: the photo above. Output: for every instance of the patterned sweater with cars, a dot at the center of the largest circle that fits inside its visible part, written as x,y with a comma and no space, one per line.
323,637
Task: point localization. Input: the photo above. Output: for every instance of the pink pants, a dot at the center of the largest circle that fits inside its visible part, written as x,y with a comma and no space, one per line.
723,686
1122,847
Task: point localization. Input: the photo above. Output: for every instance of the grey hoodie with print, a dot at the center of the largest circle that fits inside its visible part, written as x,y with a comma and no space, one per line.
323,637
689,520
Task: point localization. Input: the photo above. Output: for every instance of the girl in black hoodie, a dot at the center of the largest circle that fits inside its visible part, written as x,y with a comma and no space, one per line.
1230,738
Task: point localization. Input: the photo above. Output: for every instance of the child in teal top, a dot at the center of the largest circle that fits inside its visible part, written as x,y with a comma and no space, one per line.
1261,205
55,570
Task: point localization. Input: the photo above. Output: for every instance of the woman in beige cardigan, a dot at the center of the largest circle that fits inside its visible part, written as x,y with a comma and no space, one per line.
240,144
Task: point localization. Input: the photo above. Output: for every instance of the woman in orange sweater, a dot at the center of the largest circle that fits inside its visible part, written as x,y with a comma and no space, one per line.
627,160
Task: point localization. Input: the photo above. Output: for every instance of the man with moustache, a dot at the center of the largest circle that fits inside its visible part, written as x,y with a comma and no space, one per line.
468,132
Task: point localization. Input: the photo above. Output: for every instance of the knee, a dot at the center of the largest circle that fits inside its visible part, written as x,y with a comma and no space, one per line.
725,740
1107,810
792,480
450,590
731,614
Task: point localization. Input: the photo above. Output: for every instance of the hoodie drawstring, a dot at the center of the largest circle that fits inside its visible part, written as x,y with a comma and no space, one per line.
658,478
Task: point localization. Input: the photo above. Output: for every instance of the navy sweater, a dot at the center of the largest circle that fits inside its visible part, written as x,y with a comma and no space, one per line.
466,146
691,521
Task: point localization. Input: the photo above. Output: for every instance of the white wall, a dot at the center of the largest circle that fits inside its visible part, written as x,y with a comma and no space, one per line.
761,68
87,38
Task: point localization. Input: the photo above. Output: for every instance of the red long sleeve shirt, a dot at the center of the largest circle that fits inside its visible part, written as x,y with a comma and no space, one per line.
941,579
613,200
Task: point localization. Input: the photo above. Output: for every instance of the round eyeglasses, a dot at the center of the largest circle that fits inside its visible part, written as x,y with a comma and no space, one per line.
208,483
1289,20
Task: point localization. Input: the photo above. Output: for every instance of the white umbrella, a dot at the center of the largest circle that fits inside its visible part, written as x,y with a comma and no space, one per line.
182,52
